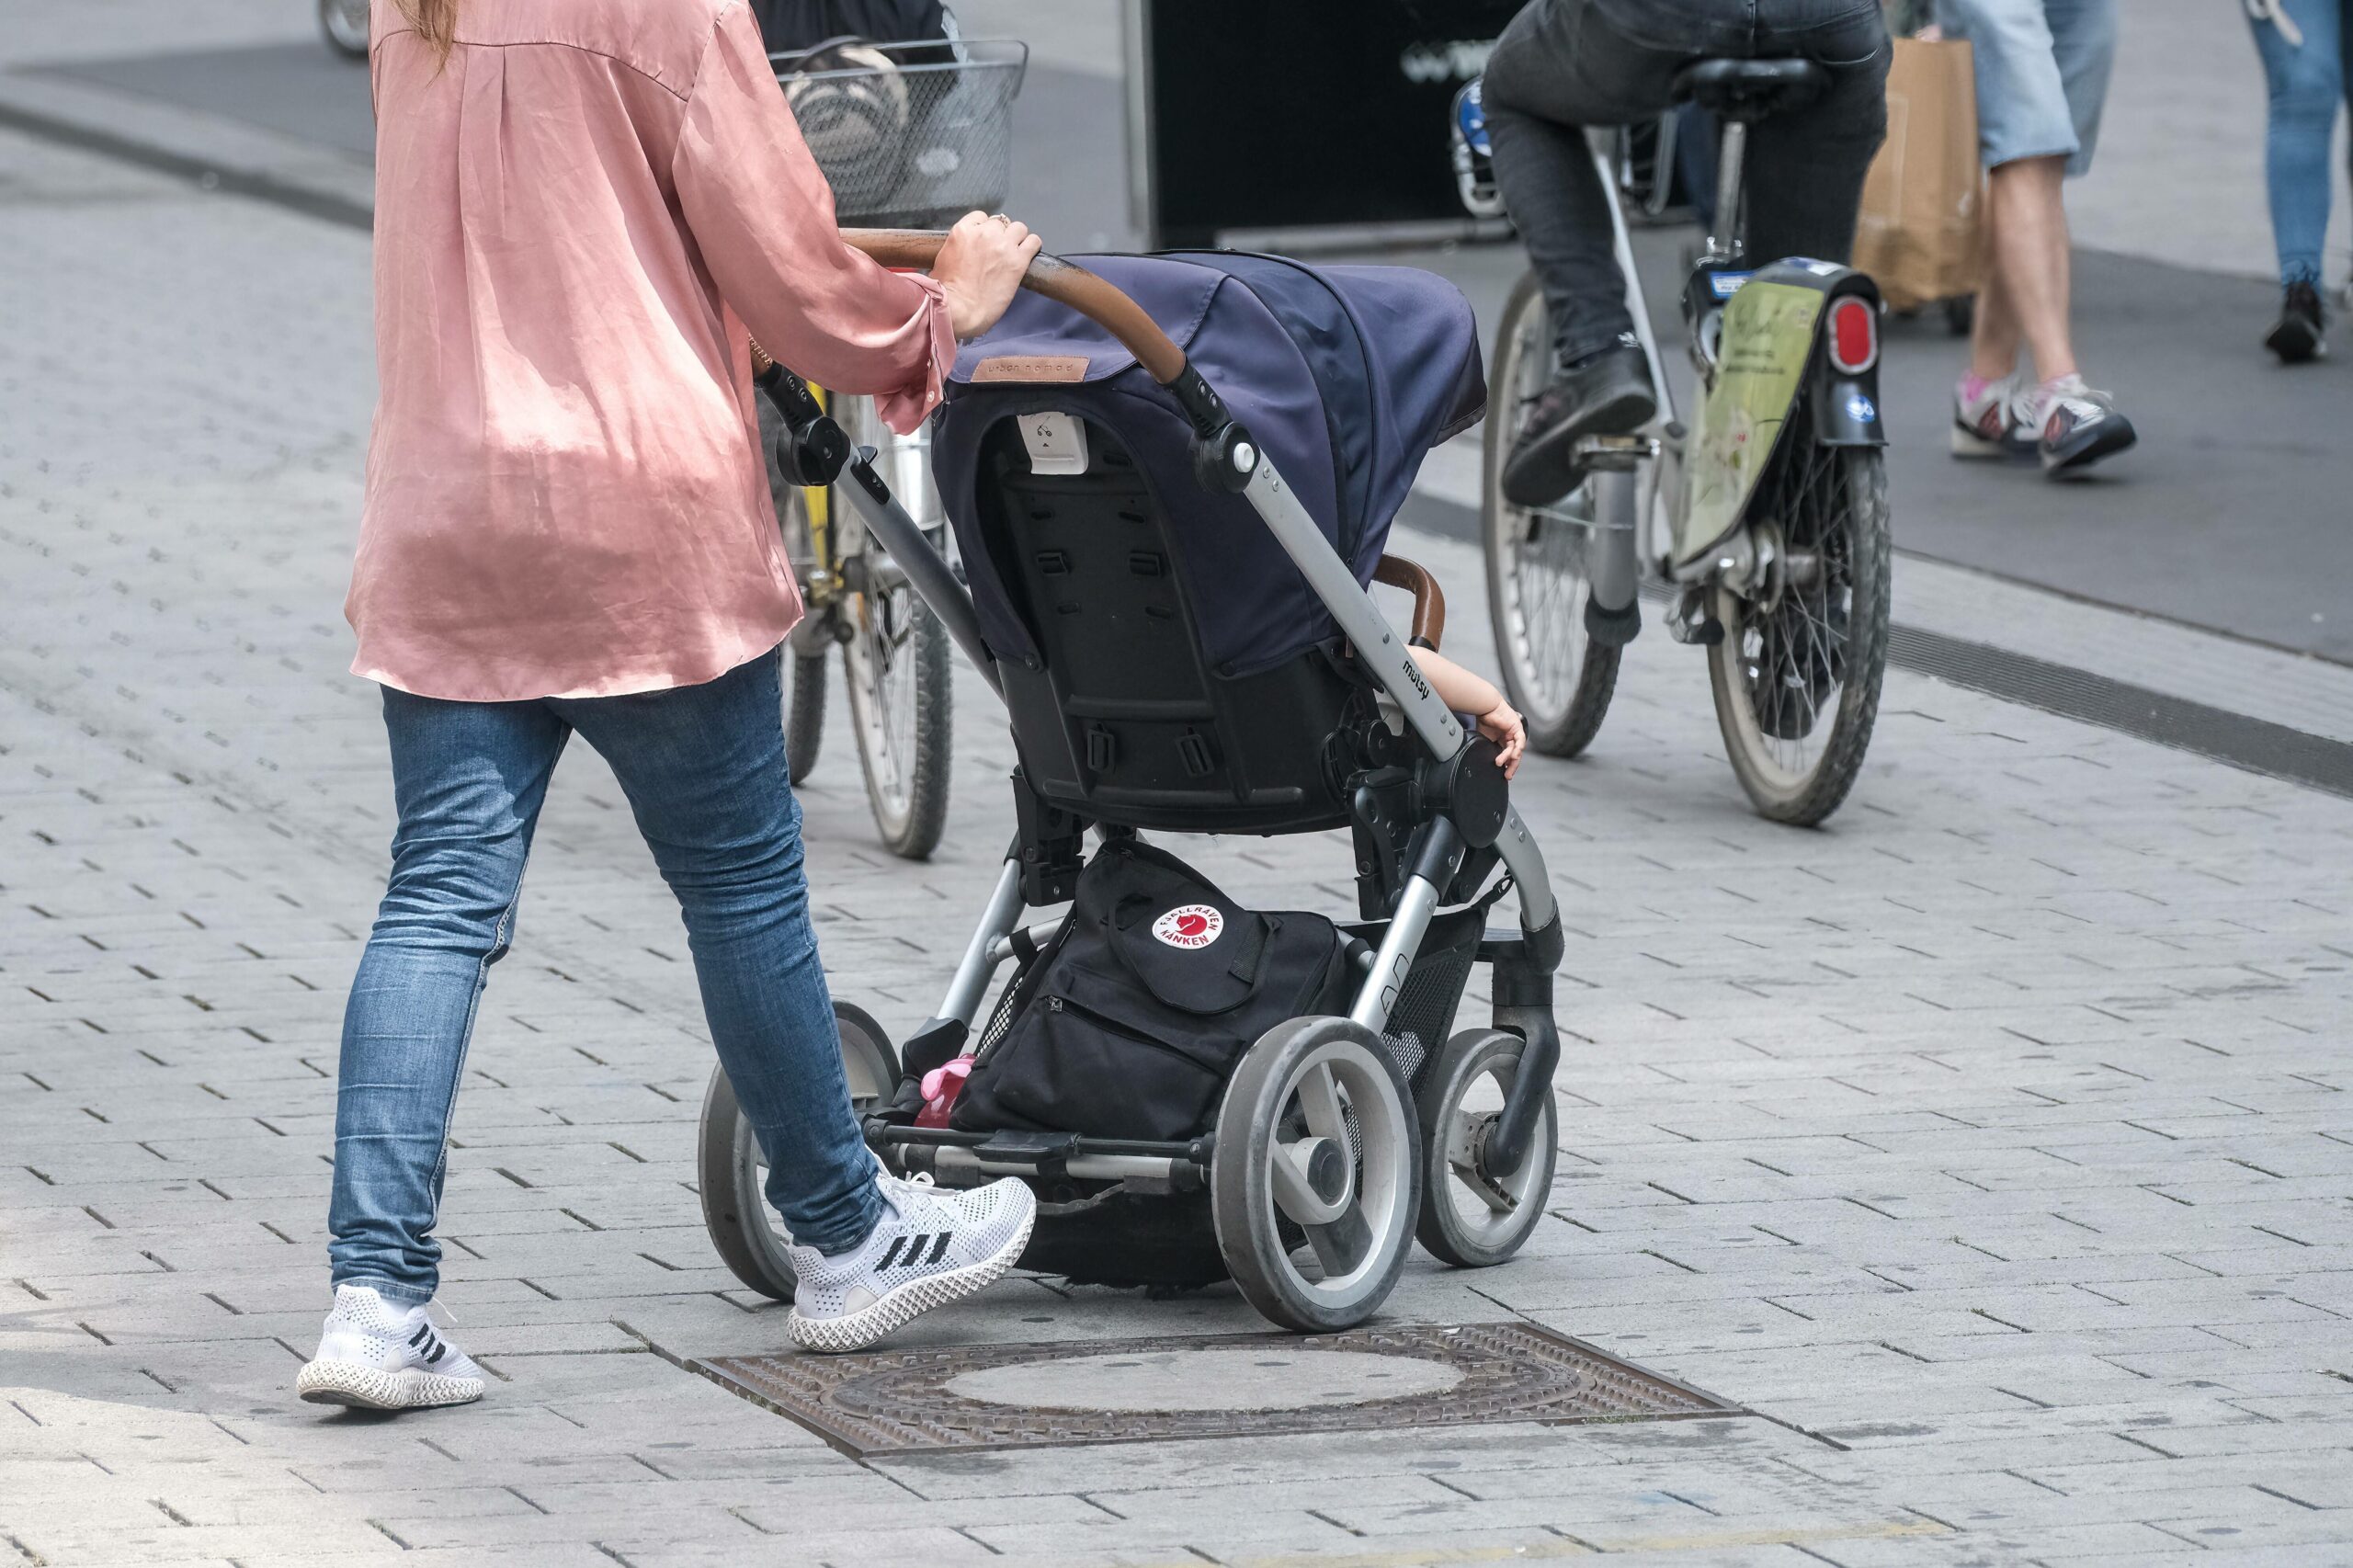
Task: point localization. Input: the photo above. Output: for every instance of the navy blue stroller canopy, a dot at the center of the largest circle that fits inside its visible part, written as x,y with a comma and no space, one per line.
1345,375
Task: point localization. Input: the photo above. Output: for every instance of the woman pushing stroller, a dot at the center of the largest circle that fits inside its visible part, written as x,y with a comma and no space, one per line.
567,528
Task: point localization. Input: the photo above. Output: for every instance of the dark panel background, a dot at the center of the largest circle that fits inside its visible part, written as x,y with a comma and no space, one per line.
1289,113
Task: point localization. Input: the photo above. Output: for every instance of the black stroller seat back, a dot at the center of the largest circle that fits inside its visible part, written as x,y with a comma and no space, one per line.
1120,715
1164,661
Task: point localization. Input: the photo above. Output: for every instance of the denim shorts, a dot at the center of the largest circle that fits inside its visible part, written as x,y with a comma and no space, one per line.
2042,69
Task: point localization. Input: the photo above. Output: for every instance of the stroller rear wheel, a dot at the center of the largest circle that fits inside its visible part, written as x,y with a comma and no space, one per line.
1473,1217
733,1172
1316,1138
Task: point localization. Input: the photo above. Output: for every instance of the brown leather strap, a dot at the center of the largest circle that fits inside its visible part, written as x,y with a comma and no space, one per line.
1101,303
1429,600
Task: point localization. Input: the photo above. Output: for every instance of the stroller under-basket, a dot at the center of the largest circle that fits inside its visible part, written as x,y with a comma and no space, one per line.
1171,479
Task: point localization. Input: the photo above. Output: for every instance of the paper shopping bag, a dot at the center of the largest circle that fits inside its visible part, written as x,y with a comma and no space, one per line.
1922,200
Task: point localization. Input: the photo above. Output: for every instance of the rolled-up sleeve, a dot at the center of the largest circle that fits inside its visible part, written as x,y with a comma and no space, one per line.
763,217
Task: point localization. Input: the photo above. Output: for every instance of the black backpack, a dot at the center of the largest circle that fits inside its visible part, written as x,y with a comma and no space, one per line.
1131,1019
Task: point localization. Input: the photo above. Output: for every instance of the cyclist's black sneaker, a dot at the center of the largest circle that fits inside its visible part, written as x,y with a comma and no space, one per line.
2078,426
1607,393
2297,335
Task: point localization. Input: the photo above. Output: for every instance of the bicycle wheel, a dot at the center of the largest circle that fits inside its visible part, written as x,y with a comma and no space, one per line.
896,660
805,711
804,673
1555,673
896,665
1797,674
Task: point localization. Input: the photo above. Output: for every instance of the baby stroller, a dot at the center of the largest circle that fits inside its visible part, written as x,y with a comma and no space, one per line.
1171,479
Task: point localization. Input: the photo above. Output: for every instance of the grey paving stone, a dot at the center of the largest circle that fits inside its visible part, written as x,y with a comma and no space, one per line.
1996,1132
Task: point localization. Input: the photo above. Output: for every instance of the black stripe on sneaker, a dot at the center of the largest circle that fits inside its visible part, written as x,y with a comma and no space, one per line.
890,1253
939,1247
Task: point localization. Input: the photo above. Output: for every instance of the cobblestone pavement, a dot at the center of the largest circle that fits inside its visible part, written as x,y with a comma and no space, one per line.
1991,1144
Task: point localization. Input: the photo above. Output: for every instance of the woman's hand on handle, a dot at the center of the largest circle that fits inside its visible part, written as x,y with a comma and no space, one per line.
980,269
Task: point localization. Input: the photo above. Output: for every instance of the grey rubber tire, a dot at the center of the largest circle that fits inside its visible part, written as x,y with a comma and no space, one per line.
803,670
906,793
805,711
728,1161
1804,792
1500,1212
1370,1109
1536,624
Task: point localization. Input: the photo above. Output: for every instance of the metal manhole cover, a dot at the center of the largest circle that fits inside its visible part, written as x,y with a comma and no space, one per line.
1044,1395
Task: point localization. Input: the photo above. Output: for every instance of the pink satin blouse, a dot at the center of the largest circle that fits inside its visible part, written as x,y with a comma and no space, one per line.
576,217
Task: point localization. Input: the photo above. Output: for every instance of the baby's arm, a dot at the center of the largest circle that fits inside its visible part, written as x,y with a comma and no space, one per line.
1475,695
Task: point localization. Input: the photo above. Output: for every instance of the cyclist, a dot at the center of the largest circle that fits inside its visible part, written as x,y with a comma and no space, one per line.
1564,64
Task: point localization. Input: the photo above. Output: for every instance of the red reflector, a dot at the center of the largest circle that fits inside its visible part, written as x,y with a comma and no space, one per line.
1854,334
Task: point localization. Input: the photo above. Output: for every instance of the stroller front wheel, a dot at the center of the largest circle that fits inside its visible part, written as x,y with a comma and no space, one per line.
733,1173
1473,1217
1316,1176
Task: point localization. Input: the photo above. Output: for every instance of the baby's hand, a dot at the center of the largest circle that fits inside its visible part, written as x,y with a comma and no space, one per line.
1502,725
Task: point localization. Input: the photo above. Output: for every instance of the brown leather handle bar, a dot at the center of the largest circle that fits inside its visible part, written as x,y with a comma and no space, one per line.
1429,600
1098,301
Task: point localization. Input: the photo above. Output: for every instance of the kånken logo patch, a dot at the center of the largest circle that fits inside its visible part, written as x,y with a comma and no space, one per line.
1189,926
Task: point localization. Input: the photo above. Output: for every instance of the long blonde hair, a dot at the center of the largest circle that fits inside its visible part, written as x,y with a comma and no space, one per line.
435,22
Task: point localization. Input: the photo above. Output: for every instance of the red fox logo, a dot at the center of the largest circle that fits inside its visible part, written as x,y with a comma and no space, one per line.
1189,926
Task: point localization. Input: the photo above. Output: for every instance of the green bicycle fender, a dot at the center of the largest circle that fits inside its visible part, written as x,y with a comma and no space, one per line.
1768,336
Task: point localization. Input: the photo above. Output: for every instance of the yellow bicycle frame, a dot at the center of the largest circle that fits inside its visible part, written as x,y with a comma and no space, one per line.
817,501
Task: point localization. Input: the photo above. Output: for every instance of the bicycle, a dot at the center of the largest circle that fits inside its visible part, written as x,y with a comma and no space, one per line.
909,135
1768,524
895,664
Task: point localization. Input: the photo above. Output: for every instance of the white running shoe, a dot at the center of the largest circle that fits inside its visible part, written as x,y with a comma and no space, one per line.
1987,421
379,1356
932,1246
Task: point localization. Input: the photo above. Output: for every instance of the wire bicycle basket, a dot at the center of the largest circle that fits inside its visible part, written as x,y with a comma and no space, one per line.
910,135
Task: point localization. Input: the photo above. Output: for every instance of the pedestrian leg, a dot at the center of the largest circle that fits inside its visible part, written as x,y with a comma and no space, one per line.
468,779
704,770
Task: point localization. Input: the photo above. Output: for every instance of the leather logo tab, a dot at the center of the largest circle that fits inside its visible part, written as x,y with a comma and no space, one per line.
1031,368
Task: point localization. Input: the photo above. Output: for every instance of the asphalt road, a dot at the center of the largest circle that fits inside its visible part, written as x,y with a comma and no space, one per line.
2232,515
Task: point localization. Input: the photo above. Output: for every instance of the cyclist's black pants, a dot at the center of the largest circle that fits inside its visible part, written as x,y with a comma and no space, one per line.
1565,64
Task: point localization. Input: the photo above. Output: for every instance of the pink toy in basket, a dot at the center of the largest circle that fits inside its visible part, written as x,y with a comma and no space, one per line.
941,1087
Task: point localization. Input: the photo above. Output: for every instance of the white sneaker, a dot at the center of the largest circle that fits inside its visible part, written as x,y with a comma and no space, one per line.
932,1246
378,1356
1986,424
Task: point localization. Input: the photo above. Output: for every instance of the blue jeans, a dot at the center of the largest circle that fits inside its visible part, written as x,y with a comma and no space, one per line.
2042,70
2306,85
703,767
